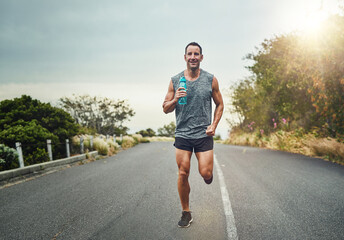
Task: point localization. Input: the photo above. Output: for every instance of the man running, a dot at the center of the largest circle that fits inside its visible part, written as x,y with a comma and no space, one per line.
194,131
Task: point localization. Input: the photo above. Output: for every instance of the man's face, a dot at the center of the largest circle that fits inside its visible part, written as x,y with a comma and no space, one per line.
193,57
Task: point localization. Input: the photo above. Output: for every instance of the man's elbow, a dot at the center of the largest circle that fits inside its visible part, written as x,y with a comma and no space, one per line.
220,105
165,109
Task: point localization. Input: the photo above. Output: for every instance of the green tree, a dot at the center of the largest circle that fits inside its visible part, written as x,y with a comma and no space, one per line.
32,122
104,115
298,77
147,133
167,130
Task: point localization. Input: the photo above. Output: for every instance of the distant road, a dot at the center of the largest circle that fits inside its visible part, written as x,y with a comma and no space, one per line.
133,195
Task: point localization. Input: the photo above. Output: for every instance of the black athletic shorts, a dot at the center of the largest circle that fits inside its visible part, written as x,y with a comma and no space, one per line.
196,145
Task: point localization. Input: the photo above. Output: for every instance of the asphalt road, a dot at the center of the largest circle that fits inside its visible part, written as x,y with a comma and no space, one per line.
133,195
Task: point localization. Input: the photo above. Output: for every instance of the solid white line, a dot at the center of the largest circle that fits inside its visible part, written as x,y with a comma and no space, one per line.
231,228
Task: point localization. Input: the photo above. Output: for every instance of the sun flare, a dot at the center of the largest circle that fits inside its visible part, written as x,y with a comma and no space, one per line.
313,15
313,21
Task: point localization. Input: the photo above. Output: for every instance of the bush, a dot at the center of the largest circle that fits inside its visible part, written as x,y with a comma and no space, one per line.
108,146
101,146
31,123
327,148
293,141
128,142
137,138
160,139
113,147
145,140
8,158
38,155
217,137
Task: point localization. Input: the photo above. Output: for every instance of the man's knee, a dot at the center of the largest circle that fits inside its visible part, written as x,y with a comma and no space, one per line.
206,173
184,173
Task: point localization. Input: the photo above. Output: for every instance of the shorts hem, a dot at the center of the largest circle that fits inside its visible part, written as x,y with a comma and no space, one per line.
180,148
194,145
203,150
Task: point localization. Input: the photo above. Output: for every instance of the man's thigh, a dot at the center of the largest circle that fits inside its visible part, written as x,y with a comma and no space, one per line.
205,159
183,158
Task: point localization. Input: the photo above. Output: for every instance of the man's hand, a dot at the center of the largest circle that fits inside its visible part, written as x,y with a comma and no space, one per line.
181,92
172,97
210,130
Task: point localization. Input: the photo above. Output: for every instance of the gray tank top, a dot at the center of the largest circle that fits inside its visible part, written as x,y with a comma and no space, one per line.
194,117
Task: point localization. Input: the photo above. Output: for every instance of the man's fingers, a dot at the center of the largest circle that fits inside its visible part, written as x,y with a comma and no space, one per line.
182,94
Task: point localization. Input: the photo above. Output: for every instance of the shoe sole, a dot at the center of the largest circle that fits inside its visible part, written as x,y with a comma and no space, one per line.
187,225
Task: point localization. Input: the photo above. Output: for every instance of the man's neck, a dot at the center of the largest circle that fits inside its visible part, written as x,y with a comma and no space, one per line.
193,73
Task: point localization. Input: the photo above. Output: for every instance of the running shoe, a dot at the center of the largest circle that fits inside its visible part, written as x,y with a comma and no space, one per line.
186,220
208,181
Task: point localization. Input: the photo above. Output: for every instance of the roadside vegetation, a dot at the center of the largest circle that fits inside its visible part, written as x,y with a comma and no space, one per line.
294,98
292,141
108,146
32,122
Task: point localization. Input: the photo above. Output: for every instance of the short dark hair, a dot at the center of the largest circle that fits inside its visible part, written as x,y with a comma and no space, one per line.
194,44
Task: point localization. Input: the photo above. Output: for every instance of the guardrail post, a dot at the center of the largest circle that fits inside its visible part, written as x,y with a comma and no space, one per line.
91,142
81,145
20,153
67,148
121,137
50,152
114,138
107,137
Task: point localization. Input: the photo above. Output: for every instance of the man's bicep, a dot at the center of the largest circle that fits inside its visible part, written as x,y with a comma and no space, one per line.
217,97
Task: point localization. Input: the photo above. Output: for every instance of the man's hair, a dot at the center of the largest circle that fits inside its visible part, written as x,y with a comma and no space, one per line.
193,44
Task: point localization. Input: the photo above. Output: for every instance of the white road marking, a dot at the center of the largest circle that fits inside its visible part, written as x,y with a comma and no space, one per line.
231,228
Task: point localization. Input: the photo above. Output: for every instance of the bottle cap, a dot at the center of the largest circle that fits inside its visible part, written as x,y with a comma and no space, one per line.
182,79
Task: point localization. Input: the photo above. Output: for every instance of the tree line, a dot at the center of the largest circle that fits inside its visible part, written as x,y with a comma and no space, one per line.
31,122
297,81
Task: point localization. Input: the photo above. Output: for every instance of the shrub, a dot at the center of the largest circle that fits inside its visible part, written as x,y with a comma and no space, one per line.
137,138
128,142
39,155
113,147
8,158
31,123
328,148
293,141
160,139
145,140
108,146
101,146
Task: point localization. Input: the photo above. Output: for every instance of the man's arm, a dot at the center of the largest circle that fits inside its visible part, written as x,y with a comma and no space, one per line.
217,97
171,98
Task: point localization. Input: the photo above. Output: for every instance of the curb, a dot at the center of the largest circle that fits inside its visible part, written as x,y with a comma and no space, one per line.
6,175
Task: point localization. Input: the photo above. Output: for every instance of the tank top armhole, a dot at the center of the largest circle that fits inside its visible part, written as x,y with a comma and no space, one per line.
173,85
175,80
211,81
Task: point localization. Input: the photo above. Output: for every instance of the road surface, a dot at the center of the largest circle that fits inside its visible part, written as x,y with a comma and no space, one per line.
261,194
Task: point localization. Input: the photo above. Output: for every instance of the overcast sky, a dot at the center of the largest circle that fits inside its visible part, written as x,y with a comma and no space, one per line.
130,49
